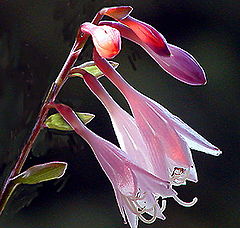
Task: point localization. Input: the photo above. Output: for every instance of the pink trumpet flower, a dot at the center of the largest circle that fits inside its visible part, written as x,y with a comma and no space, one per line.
145,32
180,64
128,134
135,188
163,132
106,39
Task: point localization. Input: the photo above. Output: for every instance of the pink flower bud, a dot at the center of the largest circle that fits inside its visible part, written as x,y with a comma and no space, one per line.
107,40
180,64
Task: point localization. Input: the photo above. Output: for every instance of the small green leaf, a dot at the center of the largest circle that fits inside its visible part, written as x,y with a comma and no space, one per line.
90,68
40,173
56,121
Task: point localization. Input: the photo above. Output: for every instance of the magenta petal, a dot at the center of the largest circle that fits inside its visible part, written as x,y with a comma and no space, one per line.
148,35
181,65
117,12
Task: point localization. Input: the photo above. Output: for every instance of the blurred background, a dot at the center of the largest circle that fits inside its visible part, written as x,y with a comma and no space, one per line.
35,39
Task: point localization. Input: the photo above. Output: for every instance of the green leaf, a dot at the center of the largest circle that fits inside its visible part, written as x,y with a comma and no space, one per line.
56,121
90,68
40,173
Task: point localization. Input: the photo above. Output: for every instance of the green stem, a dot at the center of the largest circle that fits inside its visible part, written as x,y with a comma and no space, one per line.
80,41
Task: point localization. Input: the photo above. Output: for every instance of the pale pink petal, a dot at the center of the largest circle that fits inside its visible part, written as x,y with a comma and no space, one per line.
126,177
194,140
127,132
131,217
167,150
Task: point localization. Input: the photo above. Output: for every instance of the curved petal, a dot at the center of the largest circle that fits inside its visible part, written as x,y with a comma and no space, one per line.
148,35
194,140
180,64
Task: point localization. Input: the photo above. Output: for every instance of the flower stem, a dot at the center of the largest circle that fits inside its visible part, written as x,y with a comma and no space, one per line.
80,41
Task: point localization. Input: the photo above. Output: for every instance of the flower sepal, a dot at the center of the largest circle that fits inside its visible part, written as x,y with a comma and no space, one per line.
117,12
40,173
89,67
56,121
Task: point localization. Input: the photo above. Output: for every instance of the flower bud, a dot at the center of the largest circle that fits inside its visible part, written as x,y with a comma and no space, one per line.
107,40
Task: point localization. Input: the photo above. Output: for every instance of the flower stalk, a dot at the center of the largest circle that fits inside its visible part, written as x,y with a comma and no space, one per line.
77,47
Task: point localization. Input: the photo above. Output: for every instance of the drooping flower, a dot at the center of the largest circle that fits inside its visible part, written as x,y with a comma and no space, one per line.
136,189
180,64
130,138
128,135
163,132
106,39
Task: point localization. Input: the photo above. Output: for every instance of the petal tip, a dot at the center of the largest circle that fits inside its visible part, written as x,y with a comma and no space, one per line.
118,12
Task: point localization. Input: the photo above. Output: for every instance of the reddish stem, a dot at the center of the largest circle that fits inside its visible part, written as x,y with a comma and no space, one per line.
80,41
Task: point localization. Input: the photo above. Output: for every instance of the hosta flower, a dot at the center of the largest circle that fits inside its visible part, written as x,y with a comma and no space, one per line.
130,138
106,39
163,132
180,64
128,135
135,188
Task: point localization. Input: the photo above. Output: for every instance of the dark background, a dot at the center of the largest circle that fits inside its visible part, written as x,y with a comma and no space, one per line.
35,38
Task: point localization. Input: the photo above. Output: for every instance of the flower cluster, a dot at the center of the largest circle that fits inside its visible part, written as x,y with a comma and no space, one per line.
154,154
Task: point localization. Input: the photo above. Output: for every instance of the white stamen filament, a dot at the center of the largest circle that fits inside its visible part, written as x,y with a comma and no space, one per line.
164,205
138,210
185,204
151,220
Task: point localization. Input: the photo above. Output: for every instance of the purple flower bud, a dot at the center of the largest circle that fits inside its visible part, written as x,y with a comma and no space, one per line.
180,64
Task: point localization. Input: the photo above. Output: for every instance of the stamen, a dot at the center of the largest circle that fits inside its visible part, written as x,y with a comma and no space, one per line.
164,205
138,196
151,220
131,206
185,204
138,210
